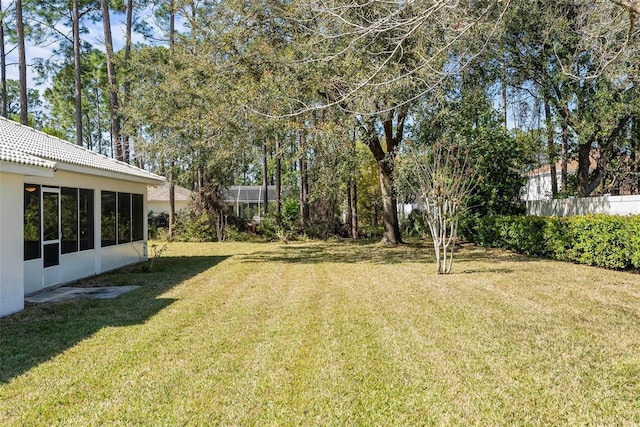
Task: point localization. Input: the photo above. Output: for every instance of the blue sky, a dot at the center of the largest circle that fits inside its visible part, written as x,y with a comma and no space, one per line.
95,37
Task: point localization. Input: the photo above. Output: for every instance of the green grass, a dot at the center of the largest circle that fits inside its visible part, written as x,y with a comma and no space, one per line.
331,334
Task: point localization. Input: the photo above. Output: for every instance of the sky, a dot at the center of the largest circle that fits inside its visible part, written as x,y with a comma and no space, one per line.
95,37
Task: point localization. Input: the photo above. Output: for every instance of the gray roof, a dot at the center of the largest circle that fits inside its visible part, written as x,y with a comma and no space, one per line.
24,145
161,193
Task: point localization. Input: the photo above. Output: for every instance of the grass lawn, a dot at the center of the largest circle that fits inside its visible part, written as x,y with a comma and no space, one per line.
331,334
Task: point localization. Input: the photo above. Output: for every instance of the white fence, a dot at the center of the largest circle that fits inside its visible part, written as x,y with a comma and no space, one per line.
610,205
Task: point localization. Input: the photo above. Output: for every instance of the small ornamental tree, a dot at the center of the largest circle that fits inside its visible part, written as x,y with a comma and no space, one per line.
440,180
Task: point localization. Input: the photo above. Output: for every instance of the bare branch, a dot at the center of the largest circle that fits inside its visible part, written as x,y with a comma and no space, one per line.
631,5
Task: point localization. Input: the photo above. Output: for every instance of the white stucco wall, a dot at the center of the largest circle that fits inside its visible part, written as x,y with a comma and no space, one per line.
157,206
11,243
538,187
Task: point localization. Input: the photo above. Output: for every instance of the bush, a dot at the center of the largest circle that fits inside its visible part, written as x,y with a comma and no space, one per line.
415,224
188,228
158,222
598,240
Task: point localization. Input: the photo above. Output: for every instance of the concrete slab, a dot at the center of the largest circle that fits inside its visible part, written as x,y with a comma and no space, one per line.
66,293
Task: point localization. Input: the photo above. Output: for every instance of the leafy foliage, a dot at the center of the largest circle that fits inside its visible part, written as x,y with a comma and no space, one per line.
597,240
498,158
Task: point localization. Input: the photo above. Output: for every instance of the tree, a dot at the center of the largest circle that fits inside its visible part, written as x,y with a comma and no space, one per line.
53,18
33,103
22,63
113,84
3,61
440,179
95,102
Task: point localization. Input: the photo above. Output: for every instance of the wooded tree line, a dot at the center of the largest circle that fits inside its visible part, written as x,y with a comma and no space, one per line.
318,98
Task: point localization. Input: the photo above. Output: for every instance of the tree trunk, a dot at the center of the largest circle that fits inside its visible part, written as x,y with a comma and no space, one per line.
3,66
98,126
354,214
172,200
126,138
349,209
76,63
391,227
172,26
393,137
584,150
353,195
564,174
172,195
504,92
551,147
304,185
265,180
278,183
22,64
113,85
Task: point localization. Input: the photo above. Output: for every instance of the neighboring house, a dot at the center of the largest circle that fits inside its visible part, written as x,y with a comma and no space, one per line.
247,201
158,198
65,213
538,186
537,195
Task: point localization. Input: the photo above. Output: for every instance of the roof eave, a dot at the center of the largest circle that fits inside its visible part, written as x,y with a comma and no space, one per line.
24,169
150,180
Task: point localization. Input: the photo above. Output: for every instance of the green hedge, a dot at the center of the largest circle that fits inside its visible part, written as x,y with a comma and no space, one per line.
598,240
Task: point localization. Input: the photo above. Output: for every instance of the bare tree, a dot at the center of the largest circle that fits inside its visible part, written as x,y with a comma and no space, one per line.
440,179
631,5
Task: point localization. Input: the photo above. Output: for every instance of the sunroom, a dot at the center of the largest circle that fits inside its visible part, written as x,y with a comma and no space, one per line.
65,213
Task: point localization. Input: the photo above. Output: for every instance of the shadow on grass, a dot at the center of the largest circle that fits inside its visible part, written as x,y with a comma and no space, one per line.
413,252
343,252
42,331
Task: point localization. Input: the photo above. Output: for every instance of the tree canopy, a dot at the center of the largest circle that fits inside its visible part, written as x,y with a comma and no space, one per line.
316,96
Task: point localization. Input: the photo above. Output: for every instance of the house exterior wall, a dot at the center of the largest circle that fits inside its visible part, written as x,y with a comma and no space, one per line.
77,265
538,187
11,247
158,206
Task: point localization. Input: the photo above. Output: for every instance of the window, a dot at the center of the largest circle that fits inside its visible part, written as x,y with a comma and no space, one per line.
108,218
31,222
137,220
124,217
86,219
69,219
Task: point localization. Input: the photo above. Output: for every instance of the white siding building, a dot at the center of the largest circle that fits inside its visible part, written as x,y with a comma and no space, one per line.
65,213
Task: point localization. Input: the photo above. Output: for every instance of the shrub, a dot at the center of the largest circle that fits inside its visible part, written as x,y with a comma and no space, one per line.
634,243
191,228
415,225
158,222
599,240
